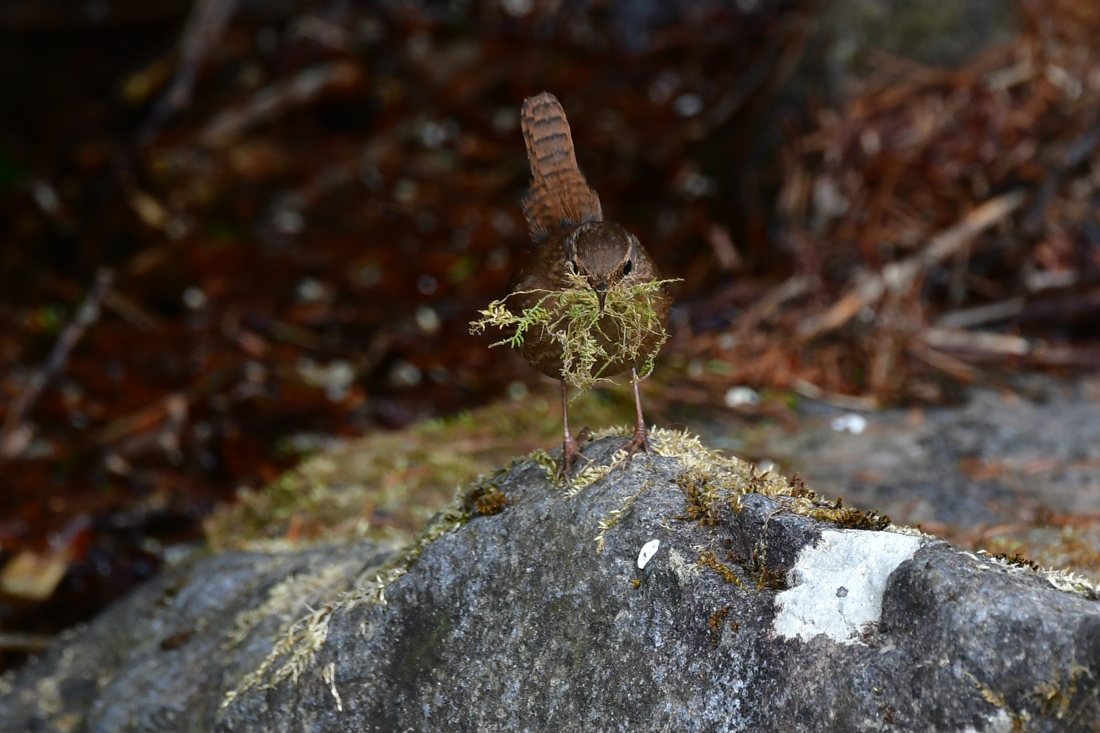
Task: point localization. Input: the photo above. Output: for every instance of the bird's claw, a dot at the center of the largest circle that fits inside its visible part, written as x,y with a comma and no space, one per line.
570,449
640,441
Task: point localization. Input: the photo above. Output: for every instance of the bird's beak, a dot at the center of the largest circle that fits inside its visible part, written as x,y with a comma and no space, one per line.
601,293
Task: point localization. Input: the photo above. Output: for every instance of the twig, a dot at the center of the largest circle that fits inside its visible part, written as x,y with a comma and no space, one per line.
1061,308
976,342
277,98
205,26
725,251
960,370
133,313
171,408
982,314
12,438
24,643
847,402
985,345
763,309
898,276
1083,357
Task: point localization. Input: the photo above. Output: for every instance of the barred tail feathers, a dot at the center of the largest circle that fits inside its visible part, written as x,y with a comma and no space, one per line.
559,195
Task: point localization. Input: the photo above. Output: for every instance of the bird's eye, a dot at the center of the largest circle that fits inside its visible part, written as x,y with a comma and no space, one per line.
628,267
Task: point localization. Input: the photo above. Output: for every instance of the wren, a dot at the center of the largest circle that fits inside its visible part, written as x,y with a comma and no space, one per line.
573,244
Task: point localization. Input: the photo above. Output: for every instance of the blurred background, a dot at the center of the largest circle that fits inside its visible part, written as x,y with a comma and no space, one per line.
235,232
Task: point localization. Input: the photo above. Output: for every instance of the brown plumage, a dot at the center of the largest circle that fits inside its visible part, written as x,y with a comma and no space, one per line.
565,219
559,195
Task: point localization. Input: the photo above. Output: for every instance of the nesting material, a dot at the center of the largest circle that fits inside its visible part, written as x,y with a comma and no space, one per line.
591,341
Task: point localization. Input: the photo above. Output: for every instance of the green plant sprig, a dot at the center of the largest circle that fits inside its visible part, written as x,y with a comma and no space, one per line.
573,318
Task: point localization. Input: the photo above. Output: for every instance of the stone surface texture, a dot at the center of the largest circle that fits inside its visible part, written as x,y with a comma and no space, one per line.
523,609
1003,456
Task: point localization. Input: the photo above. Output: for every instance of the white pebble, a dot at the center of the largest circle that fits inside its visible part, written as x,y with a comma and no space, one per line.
737,396
427,320
851,423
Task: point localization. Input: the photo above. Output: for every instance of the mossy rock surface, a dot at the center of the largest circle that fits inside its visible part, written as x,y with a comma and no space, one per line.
761,610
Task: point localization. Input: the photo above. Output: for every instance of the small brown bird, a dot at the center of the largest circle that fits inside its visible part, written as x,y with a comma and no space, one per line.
565,220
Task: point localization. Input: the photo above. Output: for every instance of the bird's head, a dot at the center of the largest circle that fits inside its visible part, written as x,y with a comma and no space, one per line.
605,255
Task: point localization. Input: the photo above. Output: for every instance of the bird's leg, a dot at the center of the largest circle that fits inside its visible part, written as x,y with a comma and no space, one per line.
570,447
640,441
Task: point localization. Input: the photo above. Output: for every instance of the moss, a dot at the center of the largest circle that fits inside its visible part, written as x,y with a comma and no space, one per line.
294,651
708,559
715,622
766,577
755,568
1016,558
591,338
699,509
1058,697
713,483
592,473
1071,543
847,518
987,693
386,487
486,501
289,598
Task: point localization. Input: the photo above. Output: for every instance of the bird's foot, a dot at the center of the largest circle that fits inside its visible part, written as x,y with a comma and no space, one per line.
570,450
640,441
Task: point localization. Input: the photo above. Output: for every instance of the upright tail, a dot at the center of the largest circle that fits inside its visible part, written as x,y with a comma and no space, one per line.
559,196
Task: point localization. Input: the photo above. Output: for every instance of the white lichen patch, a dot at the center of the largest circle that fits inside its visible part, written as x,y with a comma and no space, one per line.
685,570
837,584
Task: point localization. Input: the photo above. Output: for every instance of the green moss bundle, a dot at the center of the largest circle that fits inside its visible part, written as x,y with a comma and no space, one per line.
591,341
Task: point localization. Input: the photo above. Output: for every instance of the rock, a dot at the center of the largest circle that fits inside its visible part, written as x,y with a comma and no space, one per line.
1012,469
523,606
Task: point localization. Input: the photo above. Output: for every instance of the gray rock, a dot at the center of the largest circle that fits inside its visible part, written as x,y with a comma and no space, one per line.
524,609
1039,442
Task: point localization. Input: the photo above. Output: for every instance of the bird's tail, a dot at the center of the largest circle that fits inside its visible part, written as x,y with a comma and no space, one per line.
559,196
